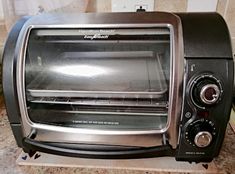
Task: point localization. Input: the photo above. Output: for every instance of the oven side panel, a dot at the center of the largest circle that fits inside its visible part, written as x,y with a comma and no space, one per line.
9,80
208,55
205,35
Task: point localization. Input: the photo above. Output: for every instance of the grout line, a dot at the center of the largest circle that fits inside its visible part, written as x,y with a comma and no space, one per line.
226,9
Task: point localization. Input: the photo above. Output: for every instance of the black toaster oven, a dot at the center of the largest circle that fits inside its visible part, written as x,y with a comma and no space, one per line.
119,85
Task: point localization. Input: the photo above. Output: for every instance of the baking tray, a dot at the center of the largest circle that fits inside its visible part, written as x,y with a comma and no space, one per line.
148,69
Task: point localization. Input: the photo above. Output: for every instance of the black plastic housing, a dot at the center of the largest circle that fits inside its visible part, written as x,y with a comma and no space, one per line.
9,80
207,48
207,51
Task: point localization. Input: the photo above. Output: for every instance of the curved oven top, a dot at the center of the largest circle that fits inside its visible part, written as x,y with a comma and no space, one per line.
69,20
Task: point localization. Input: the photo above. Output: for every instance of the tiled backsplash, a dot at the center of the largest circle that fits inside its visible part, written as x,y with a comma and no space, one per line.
227,9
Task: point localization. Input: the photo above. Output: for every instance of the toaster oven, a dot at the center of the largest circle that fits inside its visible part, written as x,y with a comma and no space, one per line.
119,85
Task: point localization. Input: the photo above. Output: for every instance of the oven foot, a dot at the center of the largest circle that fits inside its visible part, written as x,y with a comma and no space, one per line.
31,153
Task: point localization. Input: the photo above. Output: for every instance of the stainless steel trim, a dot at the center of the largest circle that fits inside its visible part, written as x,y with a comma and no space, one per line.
215,96
183,99
72,32
203,134
176,84
111,139
176,76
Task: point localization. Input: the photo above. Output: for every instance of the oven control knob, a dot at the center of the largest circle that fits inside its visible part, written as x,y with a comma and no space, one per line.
206,90
209,94
203,139
200,133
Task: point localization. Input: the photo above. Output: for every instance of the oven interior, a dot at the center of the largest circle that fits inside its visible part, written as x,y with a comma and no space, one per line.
106,79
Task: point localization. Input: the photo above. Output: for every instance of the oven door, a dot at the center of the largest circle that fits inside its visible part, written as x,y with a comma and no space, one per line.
98,86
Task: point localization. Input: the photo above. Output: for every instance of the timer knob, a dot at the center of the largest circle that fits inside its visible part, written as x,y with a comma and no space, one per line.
203,139
206,90
200,133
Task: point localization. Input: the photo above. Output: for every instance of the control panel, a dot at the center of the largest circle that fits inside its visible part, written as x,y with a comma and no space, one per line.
205,109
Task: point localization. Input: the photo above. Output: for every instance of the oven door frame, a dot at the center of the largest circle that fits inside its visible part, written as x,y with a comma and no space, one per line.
127,138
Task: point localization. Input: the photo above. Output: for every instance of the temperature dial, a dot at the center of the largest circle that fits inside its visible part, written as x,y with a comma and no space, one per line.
206,90
200,133
203,139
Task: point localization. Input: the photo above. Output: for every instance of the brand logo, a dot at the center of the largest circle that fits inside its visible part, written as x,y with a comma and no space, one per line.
195,153
96,36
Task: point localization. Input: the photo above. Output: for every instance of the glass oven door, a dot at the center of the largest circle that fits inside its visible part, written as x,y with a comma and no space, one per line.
106,79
